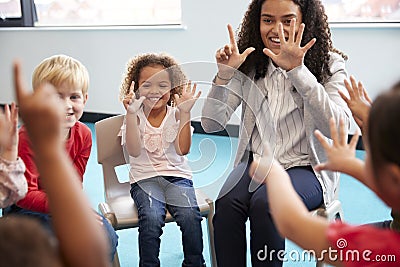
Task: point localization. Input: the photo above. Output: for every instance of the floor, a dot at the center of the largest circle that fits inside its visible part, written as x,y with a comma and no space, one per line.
211,159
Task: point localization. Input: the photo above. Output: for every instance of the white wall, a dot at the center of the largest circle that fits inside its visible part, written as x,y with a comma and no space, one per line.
374,55
373,52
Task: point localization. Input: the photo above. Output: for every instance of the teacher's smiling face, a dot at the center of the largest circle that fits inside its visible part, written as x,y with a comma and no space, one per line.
274,12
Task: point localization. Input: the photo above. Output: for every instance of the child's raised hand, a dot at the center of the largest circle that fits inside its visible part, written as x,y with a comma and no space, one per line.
339,153
229,57
359,102
9,132
131,104
291,54
4,130
129,97
40,110
186,101
135,105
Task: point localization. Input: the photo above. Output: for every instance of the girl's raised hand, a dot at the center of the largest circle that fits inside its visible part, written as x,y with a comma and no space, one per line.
135,105
229,58
4,130
131,104
339,153
11,115
359,102
291,54
9,132
186,101
128,98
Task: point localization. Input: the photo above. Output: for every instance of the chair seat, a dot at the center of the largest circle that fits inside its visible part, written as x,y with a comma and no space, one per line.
122,211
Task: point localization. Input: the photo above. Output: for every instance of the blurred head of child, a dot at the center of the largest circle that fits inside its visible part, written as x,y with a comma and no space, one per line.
383,159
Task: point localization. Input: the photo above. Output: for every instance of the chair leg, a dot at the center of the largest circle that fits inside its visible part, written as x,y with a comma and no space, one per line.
115,262
333,212
211,234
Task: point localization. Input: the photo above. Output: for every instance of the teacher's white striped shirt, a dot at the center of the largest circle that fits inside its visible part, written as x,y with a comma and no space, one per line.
288,135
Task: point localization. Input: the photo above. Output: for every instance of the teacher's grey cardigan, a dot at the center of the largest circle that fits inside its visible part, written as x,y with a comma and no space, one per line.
319,102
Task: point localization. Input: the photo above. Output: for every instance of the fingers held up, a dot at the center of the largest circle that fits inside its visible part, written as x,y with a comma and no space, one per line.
40,110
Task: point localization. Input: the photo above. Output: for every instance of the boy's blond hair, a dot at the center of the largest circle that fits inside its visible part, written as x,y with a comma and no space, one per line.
59,69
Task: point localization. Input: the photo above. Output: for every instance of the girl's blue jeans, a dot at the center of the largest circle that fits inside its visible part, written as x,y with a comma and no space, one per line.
153,197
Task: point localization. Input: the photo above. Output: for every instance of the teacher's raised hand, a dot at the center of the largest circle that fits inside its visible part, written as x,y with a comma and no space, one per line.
229,58
291,54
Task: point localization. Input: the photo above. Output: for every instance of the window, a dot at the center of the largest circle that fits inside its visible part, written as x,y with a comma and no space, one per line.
90,12
362,10
10,9
108,12
17,13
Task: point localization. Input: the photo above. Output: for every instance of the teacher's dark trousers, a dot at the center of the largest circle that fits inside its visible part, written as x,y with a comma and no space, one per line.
236,203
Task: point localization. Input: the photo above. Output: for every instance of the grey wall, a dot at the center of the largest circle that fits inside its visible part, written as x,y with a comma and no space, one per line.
373,51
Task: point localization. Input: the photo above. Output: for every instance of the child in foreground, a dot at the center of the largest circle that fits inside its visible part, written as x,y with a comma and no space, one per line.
381,172
359,103
70,79
81,240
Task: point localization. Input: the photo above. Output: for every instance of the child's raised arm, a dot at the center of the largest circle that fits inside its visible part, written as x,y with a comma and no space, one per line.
359,101
9,133
82,241
289,213
341,156
133,141
185,103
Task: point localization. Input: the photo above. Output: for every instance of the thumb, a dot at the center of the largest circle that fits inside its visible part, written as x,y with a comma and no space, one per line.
320,167
269,53
309,44
247,52
47,91
141,99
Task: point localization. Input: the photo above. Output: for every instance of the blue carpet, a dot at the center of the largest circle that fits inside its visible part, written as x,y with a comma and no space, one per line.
211,158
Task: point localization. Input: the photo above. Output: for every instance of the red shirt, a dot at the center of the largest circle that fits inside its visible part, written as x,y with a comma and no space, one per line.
78,147
364,245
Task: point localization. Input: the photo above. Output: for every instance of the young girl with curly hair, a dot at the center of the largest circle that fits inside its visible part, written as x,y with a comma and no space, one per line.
286,75
157,135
